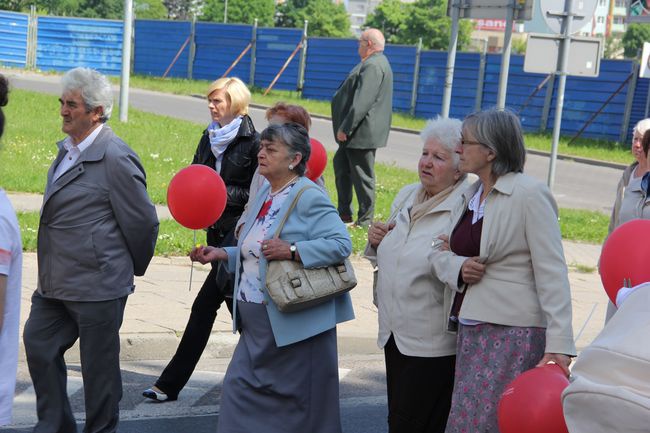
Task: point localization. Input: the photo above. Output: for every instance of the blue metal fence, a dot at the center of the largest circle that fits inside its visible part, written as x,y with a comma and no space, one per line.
329,60
274,46
431,84
64,43
217,46
13,39
156,45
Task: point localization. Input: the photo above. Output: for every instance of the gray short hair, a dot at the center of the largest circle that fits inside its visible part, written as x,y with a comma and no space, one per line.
295,137
499,130
95,89
641,126
447,131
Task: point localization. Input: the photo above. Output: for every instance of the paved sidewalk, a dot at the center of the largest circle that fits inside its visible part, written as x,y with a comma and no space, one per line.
157,312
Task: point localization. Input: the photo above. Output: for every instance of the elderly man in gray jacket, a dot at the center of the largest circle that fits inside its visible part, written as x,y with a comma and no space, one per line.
362,109
98,228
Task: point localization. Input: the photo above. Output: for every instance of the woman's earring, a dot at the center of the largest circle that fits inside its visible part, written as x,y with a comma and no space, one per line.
290,166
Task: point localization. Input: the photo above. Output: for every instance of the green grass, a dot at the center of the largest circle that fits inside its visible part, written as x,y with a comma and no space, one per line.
175,240
583,225
33,127
586,148
165,145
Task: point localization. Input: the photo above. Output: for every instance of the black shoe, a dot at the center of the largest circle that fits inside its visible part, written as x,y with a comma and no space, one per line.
158,396
346,218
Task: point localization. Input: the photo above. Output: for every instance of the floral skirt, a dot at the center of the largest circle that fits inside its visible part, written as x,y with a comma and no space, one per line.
488,358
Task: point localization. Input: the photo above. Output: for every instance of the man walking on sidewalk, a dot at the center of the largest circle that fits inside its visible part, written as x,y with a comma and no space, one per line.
361,114
97,229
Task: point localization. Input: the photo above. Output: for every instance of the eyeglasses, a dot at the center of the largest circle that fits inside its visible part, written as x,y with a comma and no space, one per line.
469,143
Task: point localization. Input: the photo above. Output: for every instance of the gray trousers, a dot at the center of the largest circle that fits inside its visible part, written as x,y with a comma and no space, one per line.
52,328
355,167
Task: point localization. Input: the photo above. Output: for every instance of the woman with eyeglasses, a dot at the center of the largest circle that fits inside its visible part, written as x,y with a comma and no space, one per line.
503,258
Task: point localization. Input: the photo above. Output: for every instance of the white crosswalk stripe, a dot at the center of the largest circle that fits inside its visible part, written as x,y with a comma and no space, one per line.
191,401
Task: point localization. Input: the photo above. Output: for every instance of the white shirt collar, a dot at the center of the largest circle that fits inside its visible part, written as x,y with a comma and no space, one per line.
85,143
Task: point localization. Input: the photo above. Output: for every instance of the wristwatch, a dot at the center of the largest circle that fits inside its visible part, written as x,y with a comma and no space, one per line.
293,249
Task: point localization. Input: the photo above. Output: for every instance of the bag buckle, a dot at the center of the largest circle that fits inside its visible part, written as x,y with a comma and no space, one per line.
295,282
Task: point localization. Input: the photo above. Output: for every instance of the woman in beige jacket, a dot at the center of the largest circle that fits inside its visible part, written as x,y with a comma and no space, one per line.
419,351
504,260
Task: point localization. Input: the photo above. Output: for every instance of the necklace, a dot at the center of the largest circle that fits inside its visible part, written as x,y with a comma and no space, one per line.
273,194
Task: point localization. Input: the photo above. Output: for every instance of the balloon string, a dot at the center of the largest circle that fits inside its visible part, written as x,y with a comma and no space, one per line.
192,264
585,324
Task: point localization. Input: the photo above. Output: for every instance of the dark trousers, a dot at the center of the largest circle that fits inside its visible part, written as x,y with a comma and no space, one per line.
52,328
355,168
199,326
419,391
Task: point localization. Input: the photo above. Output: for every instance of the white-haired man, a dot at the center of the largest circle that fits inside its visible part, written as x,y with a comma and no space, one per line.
362,109
98,228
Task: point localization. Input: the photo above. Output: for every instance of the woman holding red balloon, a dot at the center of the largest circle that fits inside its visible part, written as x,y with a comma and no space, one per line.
228,145
505,263
283,375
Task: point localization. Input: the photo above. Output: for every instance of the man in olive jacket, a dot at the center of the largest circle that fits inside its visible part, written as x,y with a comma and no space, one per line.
97,229
362,108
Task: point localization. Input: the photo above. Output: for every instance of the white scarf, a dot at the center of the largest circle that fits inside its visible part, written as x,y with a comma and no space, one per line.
221,137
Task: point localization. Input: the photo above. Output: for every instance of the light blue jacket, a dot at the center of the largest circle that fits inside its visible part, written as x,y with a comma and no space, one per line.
321,239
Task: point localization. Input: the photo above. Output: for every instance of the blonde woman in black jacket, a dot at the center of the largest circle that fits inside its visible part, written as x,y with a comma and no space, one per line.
229,145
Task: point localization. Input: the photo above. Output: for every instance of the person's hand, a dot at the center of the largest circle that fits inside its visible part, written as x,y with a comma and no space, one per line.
276,249
207,254
377,231
341,136
472,270
442,243
557,358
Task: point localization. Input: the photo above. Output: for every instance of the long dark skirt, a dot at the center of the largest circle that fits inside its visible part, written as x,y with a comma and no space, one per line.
488,358
419,391
270,389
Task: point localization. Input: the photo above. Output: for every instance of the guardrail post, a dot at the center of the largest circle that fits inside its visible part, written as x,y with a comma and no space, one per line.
416,76
251,78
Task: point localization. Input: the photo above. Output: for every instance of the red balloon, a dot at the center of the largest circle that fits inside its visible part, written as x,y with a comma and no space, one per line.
196,196
626,255
532,403
317,160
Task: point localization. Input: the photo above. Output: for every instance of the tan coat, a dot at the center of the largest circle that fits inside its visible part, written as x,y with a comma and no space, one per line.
526,279
412,302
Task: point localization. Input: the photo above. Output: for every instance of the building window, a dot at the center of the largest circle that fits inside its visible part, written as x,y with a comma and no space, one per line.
619,3
600,20
618,20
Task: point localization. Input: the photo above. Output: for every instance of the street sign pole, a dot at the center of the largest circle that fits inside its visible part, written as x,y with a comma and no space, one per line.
562,73
505,57
451,60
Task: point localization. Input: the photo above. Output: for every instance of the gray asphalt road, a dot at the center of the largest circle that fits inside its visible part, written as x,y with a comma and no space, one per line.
577,185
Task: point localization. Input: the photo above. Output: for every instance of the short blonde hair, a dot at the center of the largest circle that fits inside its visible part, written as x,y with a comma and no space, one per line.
236,91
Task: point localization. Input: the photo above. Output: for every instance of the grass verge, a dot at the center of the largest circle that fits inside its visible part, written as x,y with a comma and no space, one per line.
175,240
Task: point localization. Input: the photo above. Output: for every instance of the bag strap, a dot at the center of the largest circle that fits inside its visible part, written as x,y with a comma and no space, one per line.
398,209
286,215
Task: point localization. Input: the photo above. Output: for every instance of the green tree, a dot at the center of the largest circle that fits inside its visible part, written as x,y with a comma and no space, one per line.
635,35
325,18
389,17
109,9
57,7
426,19
241,11
14,5
150,9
